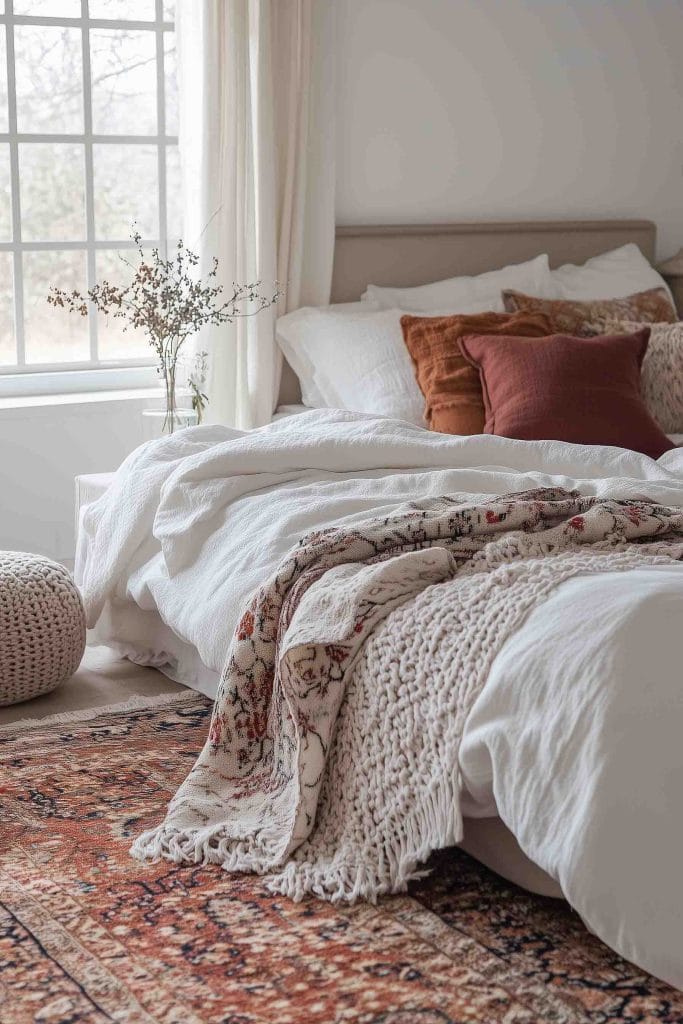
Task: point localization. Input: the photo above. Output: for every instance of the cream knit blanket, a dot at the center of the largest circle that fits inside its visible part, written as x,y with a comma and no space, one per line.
332,758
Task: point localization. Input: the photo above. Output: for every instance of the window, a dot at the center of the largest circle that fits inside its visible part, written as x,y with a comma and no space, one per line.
88,145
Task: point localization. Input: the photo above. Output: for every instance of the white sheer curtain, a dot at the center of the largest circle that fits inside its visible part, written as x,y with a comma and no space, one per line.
256,86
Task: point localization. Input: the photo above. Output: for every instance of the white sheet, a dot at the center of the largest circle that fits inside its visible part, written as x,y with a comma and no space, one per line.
191,525
576,743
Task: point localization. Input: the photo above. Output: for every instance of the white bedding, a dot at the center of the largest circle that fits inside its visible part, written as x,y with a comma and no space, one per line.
574,741
209,511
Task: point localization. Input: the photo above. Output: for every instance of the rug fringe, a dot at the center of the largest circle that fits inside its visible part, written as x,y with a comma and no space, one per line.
136,703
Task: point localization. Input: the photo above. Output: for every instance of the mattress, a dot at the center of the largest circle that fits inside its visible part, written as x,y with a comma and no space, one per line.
491,842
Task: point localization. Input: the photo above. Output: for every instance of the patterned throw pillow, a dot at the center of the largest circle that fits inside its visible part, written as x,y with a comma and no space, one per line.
581,318
661,377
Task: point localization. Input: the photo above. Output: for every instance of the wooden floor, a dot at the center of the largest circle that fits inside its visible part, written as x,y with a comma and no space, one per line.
102,679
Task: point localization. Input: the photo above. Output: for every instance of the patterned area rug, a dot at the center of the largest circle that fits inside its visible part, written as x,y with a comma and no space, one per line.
88,935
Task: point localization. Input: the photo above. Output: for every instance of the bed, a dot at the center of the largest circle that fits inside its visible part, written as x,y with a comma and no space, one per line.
401,255
142,621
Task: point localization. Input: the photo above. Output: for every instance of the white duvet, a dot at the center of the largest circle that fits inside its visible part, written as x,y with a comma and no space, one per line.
576,738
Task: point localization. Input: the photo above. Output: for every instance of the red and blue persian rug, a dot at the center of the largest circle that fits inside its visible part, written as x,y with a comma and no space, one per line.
88,935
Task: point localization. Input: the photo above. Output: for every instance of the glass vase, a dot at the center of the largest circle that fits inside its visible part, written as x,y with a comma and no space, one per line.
159,422
166,415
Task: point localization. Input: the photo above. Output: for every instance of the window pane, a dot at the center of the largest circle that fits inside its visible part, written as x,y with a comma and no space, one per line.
49,76
170,84
169,10
112,341
137,10
5,192
51,8
8,353
126,190
53,335
52,191
3,81
124,85
174,214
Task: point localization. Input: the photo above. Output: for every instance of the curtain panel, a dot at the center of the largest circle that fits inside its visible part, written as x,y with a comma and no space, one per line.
256,83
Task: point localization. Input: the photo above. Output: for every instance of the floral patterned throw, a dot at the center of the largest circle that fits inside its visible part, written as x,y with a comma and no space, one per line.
331,761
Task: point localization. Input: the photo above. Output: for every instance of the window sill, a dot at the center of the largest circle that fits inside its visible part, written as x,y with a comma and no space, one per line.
77,381
74,400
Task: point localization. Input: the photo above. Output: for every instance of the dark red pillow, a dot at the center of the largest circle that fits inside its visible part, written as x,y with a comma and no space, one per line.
585,390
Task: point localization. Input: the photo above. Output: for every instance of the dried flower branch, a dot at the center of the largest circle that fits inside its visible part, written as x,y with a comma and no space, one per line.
167,300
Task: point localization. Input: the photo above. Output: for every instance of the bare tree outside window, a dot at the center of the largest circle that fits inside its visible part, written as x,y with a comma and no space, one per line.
88,145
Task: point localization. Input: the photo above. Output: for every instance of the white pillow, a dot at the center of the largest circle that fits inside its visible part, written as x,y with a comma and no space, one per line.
466,294
613,275
288,330
352,360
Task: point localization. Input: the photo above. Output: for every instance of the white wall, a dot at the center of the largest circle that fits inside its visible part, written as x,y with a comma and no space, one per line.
498,109
447,110
42,449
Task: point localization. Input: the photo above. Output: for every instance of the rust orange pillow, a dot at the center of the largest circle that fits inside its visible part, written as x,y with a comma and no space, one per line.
451,387
584,318
562,388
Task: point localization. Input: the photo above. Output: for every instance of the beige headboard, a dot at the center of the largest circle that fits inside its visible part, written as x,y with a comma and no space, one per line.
405,255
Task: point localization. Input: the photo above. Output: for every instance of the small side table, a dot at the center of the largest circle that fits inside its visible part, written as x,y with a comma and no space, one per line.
672,271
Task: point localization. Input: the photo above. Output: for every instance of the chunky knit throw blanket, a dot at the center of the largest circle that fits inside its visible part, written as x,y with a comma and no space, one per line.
332,757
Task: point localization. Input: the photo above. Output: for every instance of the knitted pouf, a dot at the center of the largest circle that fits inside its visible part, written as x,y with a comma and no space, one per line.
42,626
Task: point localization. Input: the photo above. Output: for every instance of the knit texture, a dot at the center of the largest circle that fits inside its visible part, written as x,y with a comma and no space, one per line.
42,626
332,758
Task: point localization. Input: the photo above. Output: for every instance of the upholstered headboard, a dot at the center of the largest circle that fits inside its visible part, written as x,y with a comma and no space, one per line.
406,255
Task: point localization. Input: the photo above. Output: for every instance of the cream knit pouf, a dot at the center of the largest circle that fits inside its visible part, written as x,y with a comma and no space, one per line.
42,626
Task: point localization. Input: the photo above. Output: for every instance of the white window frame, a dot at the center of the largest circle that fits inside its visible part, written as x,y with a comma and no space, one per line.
21,378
